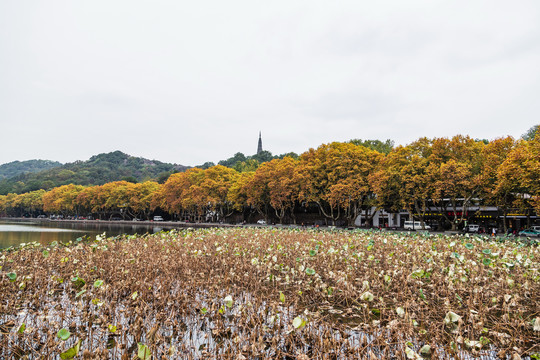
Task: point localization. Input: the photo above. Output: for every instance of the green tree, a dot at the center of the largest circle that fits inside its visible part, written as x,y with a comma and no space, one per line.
206,165
247,166
262,157
377,145
531,134
232,161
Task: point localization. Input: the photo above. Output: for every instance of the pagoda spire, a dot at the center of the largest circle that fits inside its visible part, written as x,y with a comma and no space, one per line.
259,146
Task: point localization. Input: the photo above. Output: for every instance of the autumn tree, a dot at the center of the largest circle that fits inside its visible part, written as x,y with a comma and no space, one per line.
403,182
532,178
258,194
275,183
106,200
140,197
215,186
493,191
238,192
62,199
182,194
88,201
517,176
3,204
455,171
32,201
10,204
113,198
169,195
335,177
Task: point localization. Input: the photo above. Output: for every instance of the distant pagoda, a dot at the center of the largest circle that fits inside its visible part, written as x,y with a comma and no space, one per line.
259,146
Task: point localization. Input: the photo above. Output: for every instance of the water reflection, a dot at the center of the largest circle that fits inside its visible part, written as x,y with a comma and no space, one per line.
12,234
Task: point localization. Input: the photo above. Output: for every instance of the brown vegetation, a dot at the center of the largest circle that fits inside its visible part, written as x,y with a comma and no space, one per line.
268,293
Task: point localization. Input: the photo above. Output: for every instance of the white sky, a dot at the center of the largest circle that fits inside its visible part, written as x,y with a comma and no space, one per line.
194,81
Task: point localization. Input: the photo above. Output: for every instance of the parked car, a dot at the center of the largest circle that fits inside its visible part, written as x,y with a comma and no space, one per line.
529,232
472,228
261,222
415,225
158,218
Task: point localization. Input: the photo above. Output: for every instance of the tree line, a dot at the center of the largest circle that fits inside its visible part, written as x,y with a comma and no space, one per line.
340,179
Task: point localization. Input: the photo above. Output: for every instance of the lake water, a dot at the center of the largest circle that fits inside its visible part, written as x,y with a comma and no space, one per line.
15,233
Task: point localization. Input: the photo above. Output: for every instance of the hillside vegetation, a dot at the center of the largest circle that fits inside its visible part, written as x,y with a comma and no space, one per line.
16,168
98,170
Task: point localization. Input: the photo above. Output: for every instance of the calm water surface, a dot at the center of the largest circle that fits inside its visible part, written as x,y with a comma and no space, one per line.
15,233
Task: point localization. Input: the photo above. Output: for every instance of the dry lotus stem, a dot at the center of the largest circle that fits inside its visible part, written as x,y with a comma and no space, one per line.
249,293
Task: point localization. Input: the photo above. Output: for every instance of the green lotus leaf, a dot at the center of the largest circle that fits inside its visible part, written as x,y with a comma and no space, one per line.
71,352
63,334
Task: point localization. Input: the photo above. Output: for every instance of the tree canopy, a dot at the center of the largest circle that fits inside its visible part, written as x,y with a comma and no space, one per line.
339,180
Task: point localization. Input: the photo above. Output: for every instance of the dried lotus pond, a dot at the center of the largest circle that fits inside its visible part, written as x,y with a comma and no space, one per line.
250,293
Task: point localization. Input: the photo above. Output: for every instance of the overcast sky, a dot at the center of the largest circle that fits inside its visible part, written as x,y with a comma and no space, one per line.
194,81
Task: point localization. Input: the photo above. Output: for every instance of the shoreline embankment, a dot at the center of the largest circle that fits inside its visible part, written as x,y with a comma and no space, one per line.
167,224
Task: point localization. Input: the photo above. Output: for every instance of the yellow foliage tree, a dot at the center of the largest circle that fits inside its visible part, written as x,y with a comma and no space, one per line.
336,177
62,199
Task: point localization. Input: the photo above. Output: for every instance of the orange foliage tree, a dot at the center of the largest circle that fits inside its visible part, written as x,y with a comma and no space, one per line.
197,193
517,176
492,191
275,184
403,181
456,176
336,177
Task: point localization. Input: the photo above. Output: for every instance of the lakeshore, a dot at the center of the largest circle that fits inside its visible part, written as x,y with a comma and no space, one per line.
14,231
150,223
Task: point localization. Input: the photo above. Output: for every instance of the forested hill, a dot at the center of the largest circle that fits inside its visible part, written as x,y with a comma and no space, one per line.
98,170
16,168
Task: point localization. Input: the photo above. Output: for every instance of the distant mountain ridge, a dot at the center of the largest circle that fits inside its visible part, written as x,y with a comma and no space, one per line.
98,170
16,168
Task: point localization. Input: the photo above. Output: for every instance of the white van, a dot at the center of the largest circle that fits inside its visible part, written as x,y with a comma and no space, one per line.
471,228
415,225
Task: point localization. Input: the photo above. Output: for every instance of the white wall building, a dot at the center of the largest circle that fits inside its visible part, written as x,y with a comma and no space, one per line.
381,218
